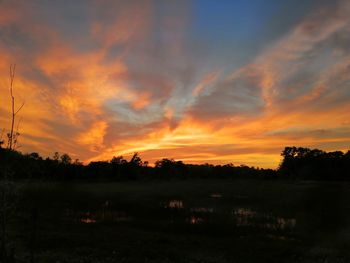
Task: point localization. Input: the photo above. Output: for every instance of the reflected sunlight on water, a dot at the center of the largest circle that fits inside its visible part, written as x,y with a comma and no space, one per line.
105,213
248,217
242,216
244,212
87,220
195,220
104,216
174,204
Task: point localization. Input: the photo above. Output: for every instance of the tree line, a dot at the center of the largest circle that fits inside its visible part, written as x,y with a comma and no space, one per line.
297,163
61,167
314,164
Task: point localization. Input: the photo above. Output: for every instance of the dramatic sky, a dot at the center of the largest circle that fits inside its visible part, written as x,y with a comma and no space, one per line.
215,81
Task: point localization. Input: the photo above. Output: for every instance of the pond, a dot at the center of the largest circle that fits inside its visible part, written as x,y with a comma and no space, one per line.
175,210
195,220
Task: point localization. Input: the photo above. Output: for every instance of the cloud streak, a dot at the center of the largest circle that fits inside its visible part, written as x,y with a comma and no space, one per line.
124,77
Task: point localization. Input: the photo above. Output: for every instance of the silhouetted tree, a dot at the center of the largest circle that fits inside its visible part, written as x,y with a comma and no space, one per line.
34,156
136,160
118,164
56,156
170,167
65,159
61,167
77,162
1,138
13,135
303,163
119,160
7,170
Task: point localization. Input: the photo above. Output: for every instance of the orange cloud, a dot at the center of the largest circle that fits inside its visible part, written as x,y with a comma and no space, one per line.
93,137
111,92
141,101
121,22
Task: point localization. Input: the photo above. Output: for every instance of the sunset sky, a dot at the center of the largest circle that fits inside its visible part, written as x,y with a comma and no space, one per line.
215,81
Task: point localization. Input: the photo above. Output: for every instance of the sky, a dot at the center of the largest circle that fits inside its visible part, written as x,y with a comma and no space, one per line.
202,81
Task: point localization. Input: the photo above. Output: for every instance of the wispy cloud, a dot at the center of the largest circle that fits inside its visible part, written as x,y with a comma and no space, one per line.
124,77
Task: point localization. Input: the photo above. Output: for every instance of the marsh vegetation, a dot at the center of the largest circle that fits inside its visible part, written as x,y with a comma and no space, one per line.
183,221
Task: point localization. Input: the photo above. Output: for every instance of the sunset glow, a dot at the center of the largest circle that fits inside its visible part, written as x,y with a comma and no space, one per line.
199,81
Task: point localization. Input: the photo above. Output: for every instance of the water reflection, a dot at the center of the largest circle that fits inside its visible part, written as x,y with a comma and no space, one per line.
284,223
244,212
195,220
87,221
194,215
248,217
243,216
105,213
87,218
216,195
174,204
103,216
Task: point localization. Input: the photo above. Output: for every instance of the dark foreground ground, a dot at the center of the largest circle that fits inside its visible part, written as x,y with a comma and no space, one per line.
183,221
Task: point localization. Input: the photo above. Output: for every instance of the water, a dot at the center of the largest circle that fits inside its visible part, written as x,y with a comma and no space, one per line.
192,215
216,195
104,213
174,204
272,219
238,216
195,220
247,217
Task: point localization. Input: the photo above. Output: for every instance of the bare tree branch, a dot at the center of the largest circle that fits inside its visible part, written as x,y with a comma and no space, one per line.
19,108
15,139
12,137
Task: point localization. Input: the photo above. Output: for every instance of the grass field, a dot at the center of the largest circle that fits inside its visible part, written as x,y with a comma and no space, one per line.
183,221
